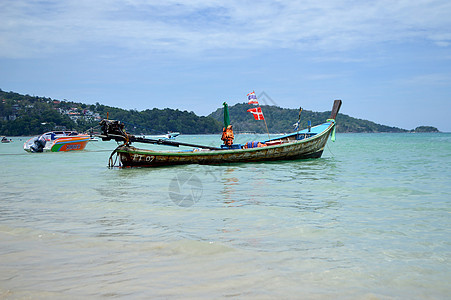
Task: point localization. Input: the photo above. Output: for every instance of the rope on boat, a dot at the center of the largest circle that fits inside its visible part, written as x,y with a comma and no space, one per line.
111,164
93,151
149,130
90,131
330,150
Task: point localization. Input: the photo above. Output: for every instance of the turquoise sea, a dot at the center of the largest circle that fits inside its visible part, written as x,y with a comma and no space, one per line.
371,219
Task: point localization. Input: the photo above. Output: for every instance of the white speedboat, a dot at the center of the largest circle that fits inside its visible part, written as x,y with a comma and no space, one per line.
168,136
56,141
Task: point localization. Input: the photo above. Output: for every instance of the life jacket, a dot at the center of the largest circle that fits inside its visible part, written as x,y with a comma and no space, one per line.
227,135
254,145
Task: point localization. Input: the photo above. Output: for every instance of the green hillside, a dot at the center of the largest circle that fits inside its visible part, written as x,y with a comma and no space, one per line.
30,115
281,120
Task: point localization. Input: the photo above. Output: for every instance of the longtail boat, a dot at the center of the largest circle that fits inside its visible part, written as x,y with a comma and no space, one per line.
301,144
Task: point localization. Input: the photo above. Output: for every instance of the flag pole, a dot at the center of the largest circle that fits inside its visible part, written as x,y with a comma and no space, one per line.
264,119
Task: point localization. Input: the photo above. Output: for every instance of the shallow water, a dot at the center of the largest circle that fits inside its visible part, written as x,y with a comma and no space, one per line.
369,220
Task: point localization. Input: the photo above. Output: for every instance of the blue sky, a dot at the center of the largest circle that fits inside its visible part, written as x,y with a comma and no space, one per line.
389,61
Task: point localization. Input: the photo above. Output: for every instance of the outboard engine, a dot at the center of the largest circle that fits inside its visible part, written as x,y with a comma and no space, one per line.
38,145
113,129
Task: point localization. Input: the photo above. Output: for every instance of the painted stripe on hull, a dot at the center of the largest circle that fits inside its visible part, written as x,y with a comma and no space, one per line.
70,144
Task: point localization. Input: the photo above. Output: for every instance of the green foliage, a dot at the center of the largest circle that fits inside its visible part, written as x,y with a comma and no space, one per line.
346,123
157,121
30,115
281,120
27,115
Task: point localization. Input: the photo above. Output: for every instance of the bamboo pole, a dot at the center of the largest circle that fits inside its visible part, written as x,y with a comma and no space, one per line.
264,119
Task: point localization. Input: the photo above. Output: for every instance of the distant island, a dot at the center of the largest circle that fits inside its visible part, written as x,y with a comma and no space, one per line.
22,115
425,129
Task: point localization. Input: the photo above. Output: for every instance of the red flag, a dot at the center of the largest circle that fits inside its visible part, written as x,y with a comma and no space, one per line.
257,112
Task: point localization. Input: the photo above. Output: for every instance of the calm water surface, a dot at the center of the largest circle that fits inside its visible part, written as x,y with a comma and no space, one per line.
371,219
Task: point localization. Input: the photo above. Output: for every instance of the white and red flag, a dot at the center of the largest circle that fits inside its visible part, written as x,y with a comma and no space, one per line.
257,112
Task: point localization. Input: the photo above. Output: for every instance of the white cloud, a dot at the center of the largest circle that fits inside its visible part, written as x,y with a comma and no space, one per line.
35,28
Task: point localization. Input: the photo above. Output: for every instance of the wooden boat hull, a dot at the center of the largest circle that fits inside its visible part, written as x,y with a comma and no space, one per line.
311,147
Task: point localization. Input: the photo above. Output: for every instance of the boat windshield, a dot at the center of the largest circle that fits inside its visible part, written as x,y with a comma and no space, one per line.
53,135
